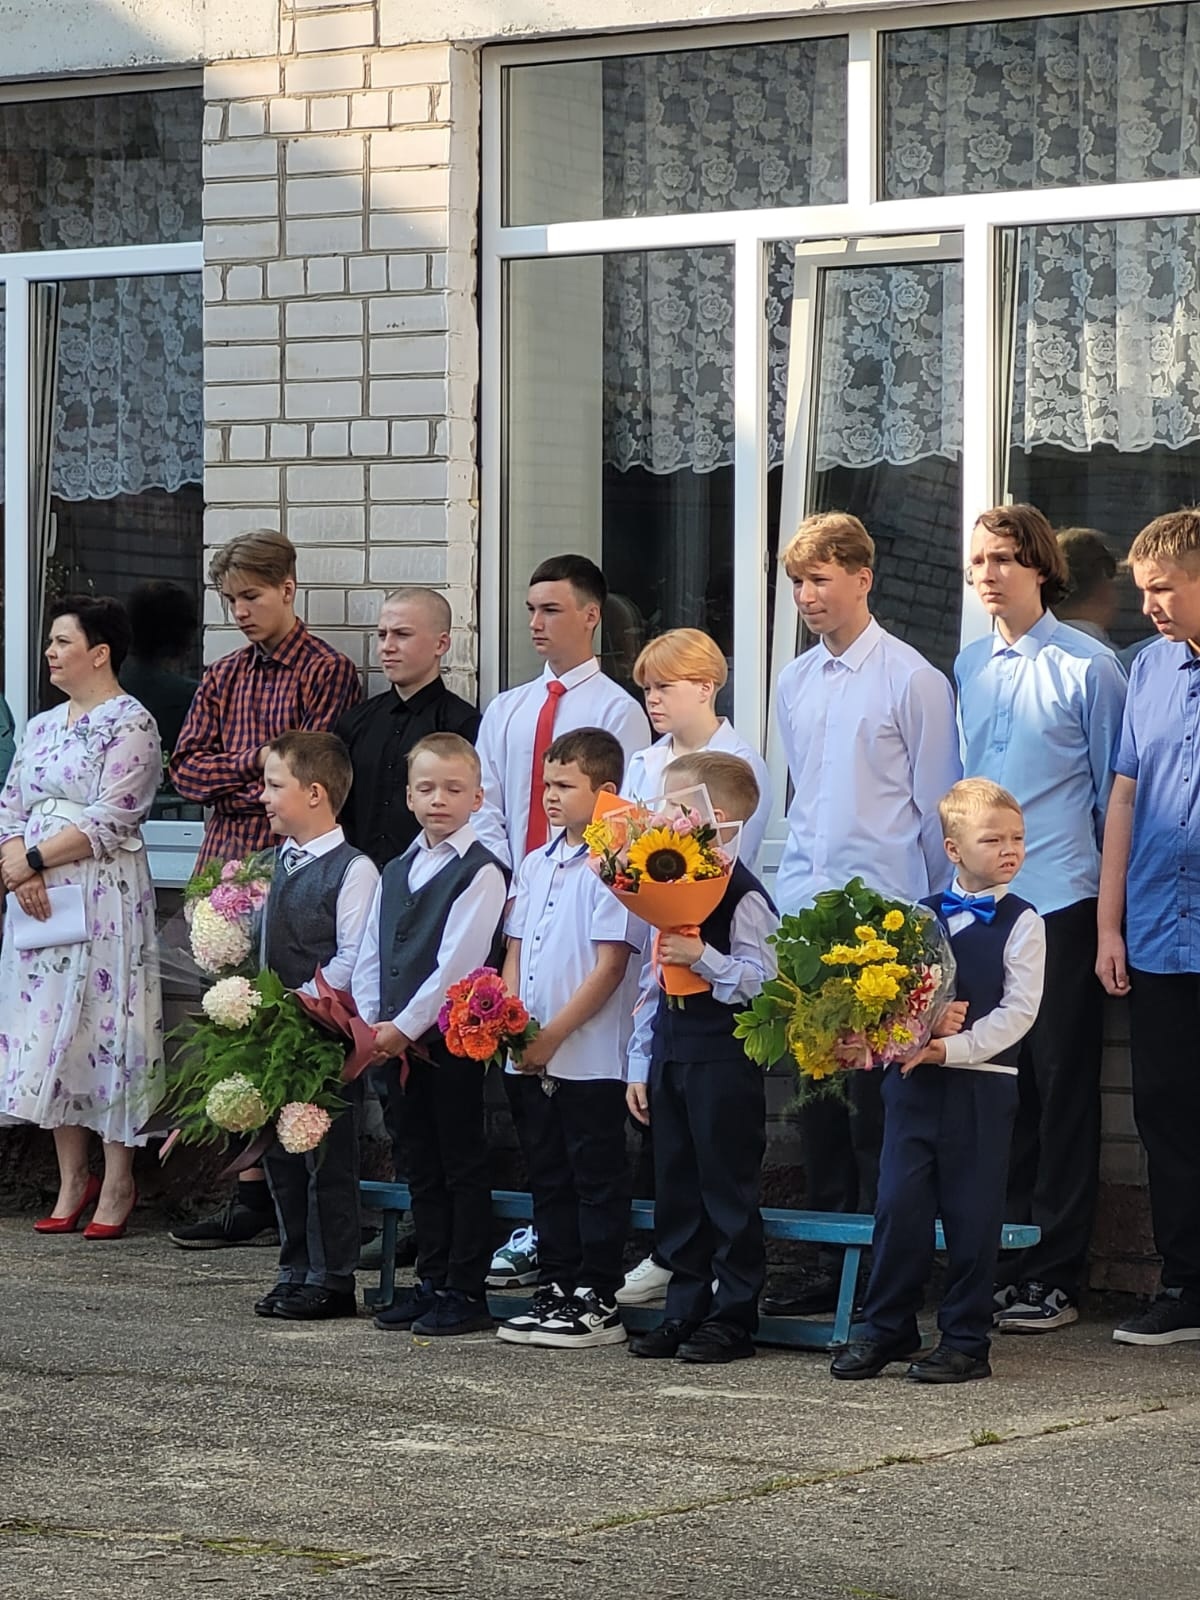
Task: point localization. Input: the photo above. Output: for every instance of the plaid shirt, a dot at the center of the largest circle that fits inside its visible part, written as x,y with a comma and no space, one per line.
245,700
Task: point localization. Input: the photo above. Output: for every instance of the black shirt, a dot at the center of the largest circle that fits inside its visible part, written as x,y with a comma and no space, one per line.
379,733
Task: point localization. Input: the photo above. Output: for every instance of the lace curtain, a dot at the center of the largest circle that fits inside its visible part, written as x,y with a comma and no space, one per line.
1105,346
689,131
127,352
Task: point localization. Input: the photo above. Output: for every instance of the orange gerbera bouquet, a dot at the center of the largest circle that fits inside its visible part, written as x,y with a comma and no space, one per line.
481,1021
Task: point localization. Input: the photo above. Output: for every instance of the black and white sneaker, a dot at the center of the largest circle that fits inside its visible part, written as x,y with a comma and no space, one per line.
580,1322
546,1304
1004,1297
1166,1320
1038,1309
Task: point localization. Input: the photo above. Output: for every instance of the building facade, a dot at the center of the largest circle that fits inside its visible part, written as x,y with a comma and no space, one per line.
620,278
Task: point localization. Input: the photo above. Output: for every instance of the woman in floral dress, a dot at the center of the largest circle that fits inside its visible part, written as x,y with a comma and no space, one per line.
81,1046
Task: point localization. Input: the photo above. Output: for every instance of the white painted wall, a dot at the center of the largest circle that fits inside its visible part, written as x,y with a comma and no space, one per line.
51,38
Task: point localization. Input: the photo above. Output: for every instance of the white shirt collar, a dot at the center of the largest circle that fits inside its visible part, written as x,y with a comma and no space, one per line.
854,655
559,847
998,890
320,846
576,676
459,842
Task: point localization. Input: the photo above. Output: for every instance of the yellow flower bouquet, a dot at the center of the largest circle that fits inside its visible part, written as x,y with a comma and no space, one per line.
862,980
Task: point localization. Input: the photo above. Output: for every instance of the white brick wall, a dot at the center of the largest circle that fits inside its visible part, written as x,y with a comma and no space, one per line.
340,325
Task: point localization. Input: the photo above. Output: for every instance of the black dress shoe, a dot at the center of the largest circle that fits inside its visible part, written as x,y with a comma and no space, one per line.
314,1304
275,1297
866,1358
815,1293
945,1365
714,1343
661,1343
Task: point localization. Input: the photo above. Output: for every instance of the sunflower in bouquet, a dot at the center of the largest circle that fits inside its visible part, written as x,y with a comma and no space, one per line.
862,980
668,862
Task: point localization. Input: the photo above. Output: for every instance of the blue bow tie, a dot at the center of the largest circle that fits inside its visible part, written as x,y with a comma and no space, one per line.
984,907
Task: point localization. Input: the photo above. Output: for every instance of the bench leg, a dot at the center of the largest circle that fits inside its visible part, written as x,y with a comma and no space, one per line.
844,1315
381,1298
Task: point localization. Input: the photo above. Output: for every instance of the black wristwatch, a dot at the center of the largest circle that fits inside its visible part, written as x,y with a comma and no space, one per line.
34,858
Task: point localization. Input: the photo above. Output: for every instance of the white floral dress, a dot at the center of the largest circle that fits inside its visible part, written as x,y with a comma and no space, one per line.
81,1039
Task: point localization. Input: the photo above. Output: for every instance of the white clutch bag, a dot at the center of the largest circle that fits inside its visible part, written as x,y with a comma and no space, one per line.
66,924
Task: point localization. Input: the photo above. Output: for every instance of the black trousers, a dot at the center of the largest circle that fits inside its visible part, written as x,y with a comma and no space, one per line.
1164,1030
574,1146
1054,1170
445,1154
317,1203
709,1120
385,1081
945,1152
839,1143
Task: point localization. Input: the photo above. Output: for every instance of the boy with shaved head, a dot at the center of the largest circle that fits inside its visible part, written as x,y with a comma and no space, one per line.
413,638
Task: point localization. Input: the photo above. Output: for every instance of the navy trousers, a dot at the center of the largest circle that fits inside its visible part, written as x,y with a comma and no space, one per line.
316,1201
709,1120
574,1146
947,1134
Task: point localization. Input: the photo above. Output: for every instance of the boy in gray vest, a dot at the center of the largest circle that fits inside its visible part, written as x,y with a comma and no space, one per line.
320,899
950,1108
435,919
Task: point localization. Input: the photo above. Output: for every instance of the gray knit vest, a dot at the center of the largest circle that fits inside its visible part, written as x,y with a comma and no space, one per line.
411,924
301,923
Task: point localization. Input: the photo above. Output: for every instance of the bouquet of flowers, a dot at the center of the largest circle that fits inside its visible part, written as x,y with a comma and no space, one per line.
223,907
255,1058
482,1021
862,980
668,862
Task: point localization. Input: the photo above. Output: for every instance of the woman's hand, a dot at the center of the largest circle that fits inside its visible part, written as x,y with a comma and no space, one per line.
14,869
32,897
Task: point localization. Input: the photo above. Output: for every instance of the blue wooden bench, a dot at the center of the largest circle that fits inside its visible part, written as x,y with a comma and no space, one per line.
852,1232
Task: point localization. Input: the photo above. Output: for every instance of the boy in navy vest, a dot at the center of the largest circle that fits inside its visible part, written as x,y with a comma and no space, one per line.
435,919
321,896
949,1110
707,1102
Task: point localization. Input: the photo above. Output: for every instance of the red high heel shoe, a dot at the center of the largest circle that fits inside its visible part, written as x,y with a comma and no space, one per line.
68,1224
111,1230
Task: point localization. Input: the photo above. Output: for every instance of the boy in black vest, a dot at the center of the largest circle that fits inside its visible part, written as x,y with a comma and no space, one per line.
707,1102
949,1110
320,899
435,919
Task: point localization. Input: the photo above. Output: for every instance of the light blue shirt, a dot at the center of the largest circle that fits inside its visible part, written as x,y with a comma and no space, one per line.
1042,717
1159,740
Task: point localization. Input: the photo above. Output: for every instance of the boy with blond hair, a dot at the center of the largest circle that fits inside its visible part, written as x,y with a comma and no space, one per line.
1148,878
950,1108
868,729
434,919
690,1077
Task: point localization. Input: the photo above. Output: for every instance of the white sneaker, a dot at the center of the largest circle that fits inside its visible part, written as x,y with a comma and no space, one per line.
546,1303
579,1323
643,1283
515,1264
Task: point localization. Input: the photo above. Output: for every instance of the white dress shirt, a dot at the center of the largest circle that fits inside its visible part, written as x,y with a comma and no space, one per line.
506,738
1024,971
871,746
561,913
466,939
354,901
735,978
644,780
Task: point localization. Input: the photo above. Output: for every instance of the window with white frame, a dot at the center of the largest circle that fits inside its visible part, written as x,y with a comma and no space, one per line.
101,383
732,278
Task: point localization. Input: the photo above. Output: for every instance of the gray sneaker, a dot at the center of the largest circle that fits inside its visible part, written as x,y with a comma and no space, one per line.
1037,1309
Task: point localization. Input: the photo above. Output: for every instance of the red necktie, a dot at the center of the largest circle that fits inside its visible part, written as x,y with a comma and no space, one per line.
536,830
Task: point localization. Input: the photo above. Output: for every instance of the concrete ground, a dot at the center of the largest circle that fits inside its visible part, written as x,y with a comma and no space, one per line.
158,1439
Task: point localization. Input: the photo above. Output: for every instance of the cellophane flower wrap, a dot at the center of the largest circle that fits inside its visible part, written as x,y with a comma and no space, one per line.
223,910
668,861
862,980
481,1021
